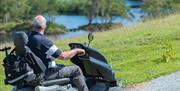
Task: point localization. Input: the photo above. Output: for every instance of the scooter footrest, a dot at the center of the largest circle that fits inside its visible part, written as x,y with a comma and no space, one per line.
61,81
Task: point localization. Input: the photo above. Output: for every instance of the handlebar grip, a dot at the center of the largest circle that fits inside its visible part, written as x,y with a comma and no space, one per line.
5,48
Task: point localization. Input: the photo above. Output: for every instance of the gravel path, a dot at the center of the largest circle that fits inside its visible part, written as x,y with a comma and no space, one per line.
164,83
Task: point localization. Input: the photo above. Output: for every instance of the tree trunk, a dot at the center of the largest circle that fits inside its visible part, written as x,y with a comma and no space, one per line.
6,17
90,19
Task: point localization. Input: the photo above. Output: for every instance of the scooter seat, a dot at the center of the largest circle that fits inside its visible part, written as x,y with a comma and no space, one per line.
61,81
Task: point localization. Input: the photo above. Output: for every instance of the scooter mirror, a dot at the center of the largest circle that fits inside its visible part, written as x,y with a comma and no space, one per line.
90,38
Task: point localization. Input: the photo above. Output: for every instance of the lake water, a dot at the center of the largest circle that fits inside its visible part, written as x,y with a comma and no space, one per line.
133,3
74,21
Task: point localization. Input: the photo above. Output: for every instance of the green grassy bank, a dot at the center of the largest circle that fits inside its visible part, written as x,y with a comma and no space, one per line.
138,53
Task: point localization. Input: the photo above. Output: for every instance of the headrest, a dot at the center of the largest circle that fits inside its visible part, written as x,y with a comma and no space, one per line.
20,40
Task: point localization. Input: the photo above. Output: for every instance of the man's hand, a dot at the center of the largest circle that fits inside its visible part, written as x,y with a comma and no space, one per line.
71,53
80,52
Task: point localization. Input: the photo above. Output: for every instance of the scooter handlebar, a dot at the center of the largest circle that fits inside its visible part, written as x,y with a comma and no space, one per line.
5,49
78,45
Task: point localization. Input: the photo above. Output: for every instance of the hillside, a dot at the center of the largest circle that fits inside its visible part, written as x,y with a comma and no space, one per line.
138,53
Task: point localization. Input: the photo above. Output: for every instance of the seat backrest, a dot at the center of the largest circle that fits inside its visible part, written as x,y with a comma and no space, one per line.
20,40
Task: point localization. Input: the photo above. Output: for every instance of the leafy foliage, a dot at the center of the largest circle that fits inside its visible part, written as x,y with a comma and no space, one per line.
24,10
54,28
104,8
18,10
157,8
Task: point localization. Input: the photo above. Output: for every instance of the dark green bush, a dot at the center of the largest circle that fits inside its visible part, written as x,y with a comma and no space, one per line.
53,28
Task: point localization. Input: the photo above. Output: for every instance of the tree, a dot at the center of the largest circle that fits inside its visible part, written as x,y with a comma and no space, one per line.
110,8
104,8
90,9
10,10
13,10
156,8
38,6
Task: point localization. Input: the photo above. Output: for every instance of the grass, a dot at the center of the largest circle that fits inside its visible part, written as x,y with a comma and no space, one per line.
136,52
3,87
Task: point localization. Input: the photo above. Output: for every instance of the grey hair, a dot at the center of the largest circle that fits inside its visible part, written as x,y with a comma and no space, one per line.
39,22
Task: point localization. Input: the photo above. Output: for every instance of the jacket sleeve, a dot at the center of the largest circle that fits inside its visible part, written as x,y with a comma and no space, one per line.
50,49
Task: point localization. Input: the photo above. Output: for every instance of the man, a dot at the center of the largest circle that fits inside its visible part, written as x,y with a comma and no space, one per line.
47,52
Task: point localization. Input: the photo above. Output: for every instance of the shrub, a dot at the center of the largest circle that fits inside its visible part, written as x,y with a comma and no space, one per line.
53,28
168,52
